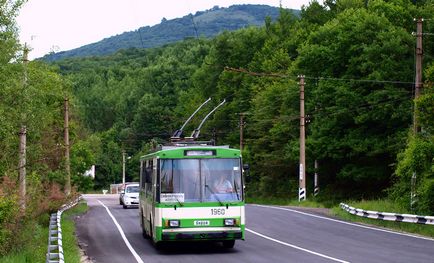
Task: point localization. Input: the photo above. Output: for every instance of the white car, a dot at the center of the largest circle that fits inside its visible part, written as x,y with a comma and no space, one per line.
130,195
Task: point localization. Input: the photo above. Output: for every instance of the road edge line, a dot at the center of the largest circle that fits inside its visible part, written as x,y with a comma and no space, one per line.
136,256
296,247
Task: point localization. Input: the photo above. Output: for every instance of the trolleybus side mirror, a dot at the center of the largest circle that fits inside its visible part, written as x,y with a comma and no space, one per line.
246,169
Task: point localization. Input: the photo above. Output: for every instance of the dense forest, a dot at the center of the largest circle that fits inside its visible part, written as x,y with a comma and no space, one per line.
207,24
358,58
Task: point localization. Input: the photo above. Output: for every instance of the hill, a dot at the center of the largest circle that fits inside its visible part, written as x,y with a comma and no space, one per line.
202,24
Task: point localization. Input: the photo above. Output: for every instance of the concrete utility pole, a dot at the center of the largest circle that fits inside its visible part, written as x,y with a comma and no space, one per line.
418,77
23,139
242,131
22,166
67,159
123,166
417,92
316,185
302,167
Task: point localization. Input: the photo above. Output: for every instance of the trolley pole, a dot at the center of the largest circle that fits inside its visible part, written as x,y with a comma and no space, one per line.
302,167
418,77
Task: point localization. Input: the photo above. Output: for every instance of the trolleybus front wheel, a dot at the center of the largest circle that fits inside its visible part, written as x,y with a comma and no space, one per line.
228,243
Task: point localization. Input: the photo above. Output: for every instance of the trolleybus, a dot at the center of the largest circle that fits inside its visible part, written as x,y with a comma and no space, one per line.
192,192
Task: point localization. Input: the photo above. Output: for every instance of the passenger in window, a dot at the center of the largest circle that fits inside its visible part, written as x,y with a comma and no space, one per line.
223,185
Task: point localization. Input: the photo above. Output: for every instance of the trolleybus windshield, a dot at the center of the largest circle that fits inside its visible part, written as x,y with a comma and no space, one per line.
200,180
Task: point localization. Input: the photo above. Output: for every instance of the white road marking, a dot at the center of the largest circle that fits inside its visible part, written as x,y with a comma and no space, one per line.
296,247
136,256
346,223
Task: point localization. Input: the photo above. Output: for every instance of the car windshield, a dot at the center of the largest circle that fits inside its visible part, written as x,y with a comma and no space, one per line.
200,180
132,189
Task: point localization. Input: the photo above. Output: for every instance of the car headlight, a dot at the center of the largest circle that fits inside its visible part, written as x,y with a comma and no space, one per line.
173,223
229,221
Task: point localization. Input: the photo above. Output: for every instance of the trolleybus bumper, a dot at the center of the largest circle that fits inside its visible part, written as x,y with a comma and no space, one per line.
224,235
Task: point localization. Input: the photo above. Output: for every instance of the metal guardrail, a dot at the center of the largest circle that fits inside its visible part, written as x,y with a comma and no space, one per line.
429,220
55,246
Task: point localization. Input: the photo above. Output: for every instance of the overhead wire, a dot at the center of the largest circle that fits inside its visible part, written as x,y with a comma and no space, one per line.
138,30
279,75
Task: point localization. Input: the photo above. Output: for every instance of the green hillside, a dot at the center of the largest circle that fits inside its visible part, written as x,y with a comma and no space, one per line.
202,24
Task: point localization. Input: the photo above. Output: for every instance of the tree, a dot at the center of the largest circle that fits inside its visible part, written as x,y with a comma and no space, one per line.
360,124
8,31
416,160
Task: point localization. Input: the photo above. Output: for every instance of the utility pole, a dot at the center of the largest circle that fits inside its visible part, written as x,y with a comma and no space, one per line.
302,167
316,185
23,139
123,166
418,77
417,92
66,138
22,166
242,131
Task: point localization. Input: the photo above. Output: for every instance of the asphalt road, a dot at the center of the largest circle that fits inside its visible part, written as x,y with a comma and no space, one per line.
108,233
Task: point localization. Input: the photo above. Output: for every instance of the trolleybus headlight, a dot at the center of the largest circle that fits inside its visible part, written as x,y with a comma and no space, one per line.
173,223
229,221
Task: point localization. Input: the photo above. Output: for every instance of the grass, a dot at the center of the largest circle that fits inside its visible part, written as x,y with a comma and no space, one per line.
283,201
384,206
35,249
70,247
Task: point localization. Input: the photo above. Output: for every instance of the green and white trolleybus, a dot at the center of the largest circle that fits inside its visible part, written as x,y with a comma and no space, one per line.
192,192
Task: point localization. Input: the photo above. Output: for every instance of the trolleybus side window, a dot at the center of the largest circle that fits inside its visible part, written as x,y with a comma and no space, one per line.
148,177
142,174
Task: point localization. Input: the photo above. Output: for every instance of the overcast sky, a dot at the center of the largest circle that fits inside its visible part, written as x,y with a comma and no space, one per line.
60,25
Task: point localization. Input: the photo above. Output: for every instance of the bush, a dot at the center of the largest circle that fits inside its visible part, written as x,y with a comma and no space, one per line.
427,197
83,183
416,159
9,215
18,227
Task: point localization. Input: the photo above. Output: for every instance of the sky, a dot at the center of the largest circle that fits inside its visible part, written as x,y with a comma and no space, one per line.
59,25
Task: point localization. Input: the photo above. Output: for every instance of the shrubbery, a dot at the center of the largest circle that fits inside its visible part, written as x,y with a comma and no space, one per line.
17,226
417,159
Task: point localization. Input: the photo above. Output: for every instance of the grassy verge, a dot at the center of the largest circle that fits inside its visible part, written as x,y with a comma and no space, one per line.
384,206
35,248
376,205
70,247
283,201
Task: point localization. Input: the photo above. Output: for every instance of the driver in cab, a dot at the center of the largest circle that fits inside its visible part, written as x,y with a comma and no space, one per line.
222,185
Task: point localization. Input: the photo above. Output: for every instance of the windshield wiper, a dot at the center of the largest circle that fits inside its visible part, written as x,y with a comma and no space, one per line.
216,197
236,190
179,202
